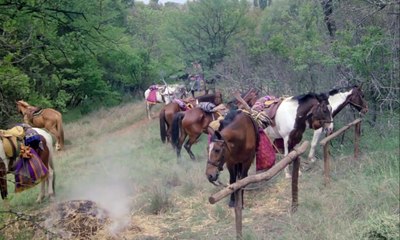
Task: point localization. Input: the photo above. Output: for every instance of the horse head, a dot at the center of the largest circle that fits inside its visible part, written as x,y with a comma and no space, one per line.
321,115
357,100
216,159
22,106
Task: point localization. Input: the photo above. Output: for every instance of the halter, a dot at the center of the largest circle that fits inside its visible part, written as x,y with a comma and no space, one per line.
221,162
357,105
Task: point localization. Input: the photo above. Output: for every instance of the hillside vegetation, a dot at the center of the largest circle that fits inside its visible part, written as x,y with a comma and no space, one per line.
115,158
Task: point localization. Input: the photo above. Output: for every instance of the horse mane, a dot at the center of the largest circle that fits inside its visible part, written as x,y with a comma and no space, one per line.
230,116
340,90
304,97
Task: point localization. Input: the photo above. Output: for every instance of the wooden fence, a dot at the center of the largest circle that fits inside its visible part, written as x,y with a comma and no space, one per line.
325,143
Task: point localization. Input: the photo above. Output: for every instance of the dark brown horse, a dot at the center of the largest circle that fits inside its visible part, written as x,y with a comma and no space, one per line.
167,113
43,118
45,152
194,122
234,144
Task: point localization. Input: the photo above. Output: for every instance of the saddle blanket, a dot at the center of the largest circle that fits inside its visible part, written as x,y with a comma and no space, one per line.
152,98
265,155
29,171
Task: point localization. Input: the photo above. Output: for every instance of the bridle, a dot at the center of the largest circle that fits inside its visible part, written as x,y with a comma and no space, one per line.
219,165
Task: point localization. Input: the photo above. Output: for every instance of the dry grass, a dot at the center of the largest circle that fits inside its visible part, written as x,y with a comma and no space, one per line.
117,160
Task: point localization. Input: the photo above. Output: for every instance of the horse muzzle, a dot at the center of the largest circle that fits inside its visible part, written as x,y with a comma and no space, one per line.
212,177
364,110
328,127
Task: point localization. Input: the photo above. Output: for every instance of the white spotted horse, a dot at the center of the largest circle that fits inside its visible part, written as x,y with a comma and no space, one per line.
292,114
338,99
38,168
162,94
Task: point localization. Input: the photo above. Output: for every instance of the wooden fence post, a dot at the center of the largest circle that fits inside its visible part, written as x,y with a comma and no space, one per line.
357,132
327,167
238,213
325,142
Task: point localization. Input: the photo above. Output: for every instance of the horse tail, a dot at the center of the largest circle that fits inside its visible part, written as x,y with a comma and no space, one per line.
60,130
163,129
176,125
51,165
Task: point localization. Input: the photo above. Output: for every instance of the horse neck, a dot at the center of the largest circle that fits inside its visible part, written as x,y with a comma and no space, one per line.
239,135
338,101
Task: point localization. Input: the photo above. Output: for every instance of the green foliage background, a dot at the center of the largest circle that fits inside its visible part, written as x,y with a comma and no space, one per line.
88,54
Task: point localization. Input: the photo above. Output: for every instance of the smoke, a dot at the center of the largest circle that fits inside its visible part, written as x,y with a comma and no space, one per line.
107,184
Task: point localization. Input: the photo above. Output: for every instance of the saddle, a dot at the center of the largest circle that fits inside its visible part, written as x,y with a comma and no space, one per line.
31,112
12,140
183,104
269,105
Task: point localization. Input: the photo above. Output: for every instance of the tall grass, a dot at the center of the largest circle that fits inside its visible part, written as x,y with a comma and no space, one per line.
115,157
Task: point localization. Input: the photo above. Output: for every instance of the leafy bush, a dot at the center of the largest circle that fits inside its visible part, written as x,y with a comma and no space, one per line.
381,226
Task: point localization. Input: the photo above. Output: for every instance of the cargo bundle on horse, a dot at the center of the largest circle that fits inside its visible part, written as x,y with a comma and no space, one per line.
338,99
47,118
28,154
162,94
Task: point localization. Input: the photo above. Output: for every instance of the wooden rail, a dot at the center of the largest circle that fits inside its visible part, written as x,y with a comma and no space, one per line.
237,187
324,142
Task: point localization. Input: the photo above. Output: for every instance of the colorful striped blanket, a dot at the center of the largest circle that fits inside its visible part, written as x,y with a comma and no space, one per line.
29,170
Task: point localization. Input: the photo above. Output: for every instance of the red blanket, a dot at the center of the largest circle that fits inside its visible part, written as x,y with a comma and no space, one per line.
265,156
152,98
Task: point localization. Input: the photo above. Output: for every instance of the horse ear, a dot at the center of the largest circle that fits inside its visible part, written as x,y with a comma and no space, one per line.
360,87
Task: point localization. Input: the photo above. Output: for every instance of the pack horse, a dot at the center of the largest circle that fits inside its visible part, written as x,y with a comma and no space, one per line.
47,118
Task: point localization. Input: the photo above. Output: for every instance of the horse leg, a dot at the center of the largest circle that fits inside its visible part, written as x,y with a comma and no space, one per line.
316,137
285,153
148,110
188,146
54,131
49,181
42,190
181,140
232,179
3,179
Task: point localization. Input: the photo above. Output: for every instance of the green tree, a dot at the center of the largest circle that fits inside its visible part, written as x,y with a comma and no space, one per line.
206,29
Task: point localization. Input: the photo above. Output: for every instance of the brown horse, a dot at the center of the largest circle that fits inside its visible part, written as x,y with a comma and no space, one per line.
45,152
194,122
234,144
190,123
43,118
167,113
